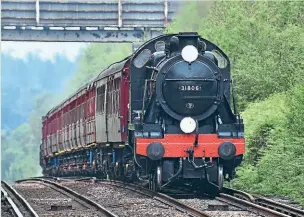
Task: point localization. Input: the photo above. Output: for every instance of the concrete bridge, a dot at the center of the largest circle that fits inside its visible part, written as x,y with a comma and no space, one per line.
85,20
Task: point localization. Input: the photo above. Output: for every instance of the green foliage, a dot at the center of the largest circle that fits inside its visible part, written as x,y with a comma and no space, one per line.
262,121
280,168
189,17
20,149
21,82
296,115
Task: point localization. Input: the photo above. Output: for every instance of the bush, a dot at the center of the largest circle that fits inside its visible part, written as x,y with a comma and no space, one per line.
263,120
279,170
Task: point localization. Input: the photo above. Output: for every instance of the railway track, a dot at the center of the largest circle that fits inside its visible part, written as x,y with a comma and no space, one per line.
240,199
13,204
234,198
183,209
82,200
282,208
159,197
259,205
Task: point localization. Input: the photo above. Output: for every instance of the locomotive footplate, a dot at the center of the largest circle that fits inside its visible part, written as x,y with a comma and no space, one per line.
176,145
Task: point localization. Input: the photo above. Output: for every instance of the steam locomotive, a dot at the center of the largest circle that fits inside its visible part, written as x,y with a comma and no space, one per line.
162,117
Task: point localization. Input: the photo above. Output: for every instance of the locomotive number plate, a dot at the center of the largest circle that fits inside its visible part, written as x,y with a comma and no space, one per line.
190,88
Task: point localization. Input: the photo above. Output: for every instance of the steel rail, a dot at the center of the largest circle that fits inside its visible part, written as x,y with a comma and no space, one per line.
283,208
6,189
234,197
67,178
250,206
265,202
74,194
157,196
16,210
240,194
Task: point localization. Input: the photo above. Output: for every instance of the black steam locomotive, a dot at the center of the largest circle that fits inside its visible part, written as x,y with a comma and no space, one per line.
162,116
183,121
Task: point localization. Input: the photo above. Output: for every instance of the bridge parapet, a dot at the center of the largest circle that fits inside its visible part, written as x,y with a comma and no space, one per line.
84,20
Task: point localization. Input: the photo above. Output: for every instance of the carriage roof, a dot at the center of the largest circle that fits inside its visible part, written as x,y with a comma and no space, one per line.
113,68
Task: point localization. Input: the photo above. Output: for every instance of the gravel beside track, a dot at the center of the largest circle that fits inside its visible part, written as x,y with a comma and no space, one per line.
5,209
8,196
42,197
123,202
202,204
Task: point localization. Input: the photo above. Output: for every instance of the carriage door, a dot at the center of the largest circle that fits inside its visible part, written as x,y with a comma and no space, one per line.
101,128
113,105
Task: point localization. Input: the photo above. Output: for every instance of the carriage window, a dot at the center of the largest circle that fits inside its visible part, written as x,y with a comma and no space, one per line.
68,117
102,96
116,95
76,113
100,99
98,103
91,105
79,112
72,116
110,97
59,121
82,111
114,98
88,107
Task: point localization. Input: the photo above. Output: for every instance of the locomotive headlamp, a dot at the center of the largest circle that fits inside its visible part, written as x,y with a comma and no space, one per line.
227,150
188,125
189,53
